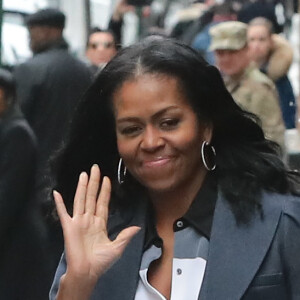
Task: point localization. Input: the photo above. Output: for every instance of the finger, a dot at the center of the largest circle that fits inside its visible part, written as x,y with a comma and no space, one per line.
61,208
103,199
79,199
124,237
92,190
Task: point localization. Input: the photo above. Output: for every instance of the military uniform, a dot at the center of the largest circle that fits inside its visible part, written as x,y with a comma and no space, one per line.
252,90
256,93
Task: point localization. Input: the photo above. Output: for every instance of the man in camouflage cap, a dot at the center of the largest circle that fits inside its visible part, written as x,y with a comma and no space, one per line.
250,88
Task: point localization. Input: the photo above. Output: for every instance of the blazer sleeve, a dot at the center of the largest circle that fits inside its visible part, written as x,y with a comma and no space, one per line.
291,247
60,271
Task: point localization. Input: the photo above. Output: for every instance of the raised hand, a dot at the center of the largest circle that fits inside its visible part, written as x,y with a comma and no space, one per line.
89,251
121,8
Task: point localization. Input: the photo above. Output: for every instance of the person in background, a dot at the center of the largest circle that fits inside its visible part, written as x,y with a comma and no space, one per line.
24,265
101,48
221,13
102,44
49,86
250,88
273,55
117,19
261,8
189,184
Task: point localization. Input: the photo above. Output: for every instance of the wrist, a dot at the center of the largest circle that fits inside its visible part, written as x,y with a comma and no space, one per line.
74,287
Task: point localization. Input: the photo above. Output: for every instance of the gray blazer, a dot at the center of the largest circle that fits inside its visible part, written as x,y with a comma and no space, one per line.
260,260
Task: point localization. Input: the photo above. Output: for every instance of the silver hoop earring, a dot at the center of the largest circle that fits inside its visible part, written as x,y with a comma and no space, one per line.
121,177
209,164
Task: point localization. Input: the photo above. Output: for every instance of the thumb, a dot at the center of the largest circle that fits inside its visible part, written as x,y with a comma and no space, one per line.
124,237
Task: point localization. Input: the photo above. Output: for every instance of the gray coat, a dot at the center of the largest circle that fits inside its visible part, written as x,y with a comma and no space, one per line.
250,262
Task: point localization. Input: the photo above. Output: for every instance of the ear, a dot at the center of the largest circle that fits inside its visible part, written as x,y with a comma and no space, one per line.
207,133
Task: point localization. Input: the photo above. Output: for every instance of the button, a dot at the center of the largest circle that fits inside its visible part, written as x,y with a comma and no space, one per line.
179,224
179,271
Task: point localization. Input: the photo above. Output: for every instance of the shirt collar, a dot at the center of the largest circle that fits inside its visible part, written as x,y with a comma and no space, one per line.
199,215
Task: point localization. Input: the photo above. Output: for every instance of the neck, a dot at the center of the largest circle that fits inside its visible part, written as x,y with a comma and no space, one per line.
237,76
260,62
173,204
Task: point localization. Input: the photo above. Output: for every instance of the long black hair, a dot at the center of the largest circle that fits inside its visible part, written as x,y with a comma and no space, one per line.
247,163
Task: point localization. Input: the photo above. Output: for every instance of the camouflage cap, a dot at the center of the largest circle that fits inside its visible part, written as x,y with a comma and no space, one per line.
230,35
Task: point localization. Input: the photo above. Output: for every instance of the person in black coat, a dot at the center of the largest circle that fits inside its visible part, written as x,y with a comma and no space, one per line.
49,86
24,266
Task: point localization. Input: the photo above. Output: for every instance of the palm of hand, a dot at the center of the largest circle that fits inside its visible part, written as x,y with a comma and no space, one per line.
89,251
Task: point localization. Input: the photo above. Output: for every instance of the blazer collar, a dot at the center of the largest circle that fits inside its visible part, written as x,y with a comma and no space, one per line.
236,252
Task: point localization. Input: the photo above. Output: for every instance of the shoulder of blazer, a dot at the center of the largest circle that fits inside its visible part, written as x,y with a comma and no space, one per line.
292,206
287,203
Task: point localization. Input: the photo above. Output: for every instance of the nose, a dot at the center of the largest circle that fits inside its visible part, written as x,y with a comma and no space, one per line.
151,139
254,45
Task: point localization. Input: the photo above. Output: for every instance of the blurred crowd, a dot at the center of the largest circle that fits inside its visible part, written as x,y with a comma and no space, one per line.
245,39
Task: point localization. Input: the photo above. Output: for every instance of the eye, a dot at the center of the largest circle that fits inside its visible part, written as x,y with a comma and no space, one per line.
169,124
131,130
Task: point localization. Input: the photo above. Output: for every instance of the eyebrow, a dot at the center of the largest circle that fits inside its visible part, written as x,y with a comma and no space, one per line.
155,116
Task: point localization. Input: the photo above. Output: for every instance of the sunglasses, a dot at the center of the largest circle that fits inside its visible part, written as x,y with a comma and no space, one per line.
105,45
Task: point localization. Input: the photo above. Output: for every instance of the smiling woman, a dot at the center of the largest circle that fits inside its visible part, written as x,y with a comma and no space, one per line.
194,202
159,141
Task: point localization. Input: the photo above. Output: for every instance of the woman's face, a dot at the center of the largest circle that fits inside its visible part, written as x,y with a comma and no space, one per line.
158,134
259,42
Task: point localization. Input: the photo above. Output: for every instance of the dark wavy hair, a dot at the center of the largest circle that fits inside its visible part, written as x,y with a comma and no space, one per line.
247,163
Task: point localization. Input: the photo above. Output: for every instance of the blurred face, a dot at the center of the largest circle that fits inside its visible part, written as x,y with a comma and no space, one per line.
42,36
101,48
260,43
159,136
232,62
38,36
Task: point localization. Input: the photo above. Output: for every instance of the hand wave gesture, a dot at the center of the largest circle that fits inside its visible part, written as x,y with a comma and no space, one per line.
89,251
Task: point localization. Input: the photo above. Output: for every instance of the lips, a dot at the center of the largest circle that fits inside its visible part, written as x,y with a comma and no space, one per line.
156,162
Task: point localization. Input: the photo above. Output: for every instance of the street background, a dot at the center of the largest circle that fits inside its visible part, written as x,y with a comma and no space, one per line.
83,14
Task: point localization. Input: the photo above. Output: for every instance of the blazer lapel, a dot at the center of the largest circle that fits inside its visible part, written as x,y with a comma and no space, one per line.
121,280
236,252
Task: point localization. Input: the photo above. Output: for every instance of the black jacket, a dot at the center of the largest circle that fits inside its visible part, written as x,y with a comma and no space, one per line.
23,260
49,86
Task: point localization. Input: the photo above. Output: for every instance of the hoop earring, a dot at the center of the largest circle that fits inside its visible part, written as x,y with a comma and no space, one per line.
212,154
121,180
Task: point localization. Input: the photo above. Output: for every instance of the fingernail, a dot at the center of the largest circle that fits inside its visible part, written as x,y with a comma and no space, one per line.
55,193
82,176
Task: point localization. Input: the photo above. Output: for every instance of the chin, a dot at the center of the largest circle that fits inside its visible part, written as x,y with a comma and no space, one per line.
160,186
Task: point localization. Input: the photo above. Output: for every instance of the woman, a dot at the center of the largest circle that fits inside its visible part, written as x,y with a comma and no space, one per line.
201,205
274,56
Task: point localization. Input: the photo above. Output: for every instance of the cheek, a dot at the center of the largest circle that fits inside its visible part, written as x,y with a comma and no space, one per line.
265,48
188,143
111,53
127,149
